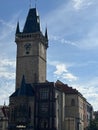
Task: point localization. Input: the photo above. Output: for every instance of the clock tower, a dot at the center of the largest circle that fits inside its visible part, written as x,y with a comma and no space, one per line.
31,50
35,104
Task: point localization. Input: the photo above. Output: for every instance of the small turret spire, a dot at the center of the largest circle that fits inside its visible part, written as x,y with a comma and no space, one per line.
46,37
46,34
4,103
17,29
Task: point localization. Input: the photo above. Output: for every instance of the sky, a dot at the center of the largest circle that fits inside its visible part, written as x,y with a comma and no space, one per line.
72,56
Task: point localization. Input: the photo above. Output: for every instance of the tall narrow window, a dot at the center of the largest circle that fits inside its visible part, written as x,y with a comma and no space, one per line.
30,112
73,102
44,93
35,77
44,123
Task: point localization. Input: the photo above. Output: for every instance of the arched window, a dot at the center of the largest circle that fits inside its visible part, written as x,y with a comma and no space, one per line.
44,123
73,102
29,112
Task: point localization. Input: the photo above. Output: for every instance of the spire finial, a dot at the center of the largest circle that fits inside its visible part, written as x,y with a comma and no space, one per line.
30,3
17,29
46,33
4,103
35,3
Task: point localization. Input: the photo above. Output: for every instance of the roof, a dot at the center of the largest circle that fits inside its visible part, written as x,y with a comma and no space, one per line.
32,23
24,90
66,89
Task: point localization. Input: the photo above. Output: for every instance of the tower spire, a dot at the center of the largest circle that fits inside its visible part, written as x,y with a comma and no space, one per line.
46,34
32,23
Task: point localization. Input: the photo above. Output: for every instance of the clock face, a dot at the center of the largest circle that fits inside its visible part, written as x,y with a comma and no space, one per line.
27,47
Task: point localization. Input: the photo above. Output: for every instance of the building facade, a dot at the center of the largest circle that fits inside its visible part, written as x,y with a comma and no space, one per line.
36,103
78,112
49,107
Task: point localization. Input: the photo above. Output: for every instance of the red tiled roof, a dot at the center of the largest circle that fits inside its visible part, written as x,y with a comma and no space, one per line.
65,88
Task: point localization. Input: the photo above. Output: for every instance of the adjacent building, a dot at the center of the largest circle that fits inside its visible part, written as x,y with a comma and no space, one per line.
4,117
38,104
78,112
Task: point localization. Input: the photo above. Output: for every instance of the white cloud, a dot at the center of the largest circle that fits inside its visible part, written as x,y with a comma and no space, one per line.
6,89
63,73
60,68
6,28
7,68
84,43
7,62
61,40
89,91
8,75
79,4
7,79
69,77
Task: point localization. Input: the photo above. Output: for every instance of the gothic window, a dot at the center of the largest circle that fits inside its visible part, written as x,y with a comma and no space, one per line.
44,93
73,102
58,99
22,113
12,115
44,123
15,113
30,112
35,77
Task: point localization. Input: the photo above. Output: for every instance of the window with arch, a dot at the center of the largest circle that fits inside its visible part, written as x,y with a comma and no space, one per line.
44,123
72,102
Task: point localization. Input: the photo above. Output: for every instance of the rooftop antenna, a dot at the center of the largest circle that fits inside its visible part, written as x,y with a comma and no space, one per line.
30,5
35,3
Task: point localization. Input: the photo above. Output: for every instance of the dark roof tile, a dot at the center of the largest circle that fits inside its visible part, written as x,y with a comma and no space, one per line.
32,23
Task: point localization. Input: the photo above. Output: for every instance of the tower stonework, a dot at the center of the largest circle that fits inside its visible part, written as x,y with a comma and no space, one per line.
31,51
30,70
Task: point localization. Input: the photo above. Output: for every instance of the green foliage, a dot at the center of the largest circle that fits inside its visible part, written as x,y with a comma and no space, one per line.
93,125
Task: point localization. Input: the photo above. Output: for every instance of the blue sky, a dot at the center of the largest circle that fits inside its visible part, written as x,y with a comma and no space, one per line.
72,56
